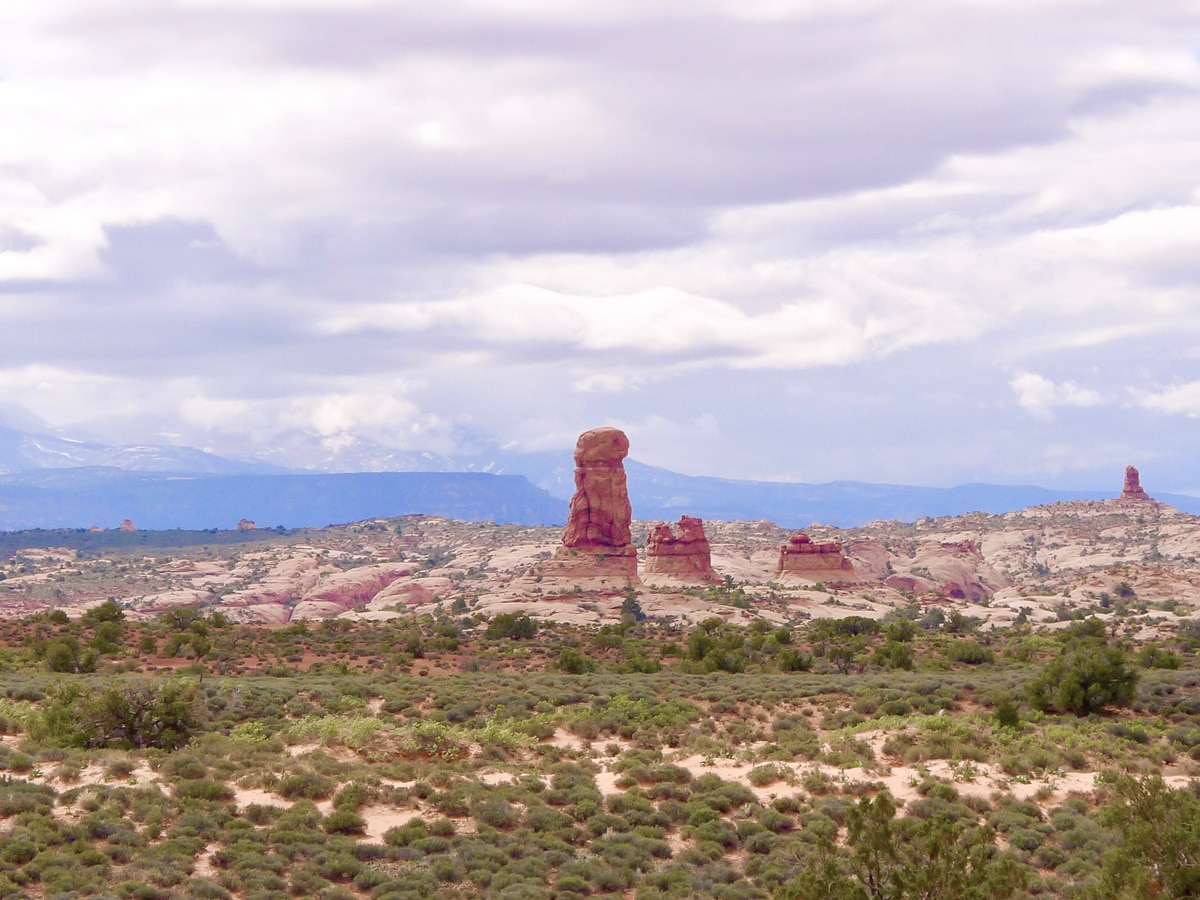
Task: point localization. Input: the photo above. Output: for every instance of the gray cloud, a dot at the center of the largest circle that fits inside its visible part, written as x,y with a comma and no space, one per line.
775,240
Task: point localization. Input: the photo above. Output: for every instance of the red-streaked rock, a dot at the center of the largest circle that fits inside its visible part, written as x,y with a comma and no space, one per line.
600,513
355,586
869,558
682,554
413,592
288,580
954,569
804,557
1132,490
258,613
597,542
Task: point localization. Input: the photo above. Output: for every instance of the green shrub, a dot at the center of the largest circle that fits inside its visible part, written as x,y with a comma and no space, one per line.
1007,714
571,661
496,813
972,653
761,776
1085,678
510,625
344,821
204,789
307,785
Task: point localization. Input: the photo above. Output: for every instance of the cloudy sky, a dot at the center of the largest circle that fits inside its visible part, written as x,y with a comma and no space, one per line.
921,242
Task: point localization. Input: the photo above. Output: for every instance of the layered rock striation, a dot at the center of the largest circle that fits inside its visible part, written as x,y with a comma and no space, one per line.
954,570
600,513
597,540
683,554
804,557
1132,491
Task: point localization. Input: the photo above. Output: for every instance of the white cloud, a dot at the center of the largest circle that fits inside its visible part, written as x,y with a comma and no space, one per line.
1122,65
1182,399
1040,396
381,414
59,394
607,382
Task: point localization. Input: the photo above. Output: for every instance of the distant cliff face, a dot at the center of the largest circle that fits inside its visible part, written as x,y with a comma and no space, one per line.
77,498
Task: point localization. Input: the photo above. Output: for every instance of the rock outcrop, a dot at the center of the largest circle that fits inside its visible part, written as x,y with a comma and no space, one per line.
1132,490
600,513
597,553
597,539
869,558
341,591
683,554
951,569
127,525
804,557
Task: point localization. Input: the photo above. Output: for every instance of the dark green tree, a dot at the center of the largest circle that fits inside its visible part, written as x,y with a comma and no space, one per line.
890,858
631,609
510,625
128,714
1085,678
62,654
108,611
1158,854
573,662
142,713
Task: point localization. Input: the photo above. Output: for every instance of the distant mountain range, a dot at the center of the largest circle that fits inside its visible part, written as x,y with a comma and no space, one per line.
79,498
22,451
842,503
56,482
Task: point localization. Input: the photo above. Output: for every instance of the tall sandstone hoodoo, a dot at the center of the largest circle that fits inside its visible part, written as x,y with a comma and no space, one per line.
599,518
1132,490
804,557
683,554
600,512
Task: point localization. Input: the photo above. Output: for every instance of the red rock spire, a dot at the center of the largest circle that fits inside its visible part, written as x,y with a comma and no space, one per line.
1133,486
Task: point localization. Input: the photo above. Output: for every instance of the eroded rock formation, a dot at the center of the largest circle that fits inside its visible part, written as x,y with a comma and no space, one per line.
341,591
952,569
869,558
683,554
802,556
600,512
597,541
1132,489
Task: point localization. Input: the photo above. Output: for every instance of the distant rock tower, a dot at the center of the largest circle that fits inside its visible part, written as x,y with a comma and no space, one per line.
1132,490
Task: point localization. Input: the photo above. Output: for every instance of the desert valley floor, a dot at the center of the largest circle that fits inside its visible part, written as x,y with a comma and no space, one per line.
420,707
